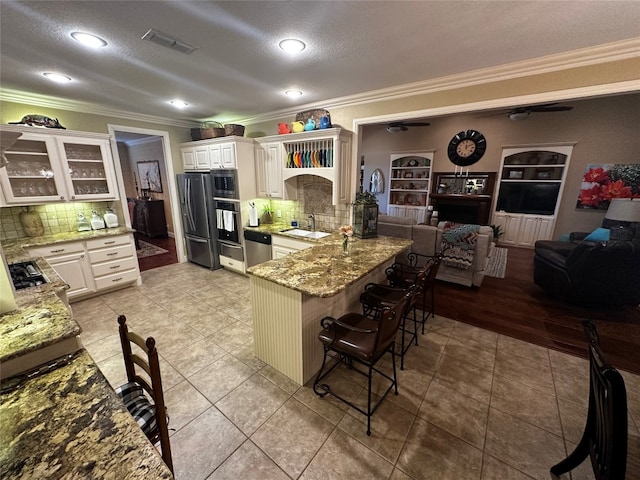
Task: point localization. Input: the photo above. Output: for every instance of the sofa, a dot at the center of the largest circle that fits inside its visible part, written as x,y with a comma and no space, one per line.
427,240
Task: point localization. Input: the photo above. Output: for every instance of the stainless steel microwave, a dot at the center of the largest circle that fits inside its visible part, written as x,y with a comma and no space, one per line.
225,183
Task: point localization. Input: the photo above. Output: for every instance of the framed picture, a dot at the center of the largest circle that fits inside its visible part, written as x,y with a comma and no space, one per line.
516,174
150,176
543,174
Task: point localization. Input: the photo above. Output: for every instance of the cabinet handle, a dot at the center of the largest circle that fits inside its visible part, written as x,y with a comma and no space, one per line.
112,254
57,250
110,243
115,267
61,197
82,256
116,279
73,197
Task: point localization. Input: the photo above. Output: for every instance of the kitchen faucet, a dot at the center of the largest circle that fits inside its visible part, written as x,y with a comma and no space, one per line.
312,223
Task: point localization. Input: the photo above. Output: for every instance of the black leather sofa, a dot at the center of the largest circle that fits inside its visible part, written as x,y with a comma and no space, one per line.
592,274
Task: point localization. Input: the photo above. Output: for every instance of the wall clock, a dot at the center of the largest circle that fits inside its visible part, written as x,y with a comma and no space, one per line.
466,147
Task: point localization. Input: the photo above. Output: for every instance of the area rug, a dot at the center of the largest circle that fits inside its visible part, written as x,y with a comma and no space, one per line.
148,250
497,266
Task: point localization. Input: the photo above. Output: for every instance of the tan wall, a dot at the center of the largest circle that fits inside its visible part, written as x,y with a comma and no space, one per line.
603,129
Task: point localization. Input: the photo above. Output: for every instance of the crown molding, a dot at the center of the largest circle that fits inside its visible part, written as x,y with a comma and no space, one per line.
28,98
605,53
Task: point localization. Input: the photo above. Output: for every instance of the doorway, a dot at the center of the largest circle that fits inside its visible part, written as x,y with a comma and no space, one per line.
145,172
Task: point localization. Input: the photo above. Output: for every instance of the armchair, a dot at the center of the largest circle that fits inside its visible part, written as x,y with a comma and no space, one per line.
592,274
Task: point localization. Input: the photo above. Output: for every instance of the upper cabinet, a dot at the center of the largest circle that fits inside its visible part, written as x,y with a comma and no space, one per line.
53,166
221,152
410,180
269,182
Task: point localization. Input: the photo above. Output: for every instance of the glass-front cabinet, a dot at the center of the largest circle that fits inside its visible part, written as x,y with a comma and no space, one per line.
48,167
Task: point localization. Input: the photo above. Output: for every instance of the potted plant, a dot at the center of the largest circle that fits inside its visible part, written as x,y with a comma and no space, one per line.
267,213
497,232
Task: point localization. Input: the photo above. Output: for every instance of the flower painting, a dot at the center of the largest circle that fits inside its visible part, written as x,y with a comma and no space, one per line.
601,183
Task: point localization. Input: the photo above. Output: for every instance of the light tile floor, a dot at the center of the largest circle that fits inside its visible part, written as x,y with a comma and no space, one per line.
473,404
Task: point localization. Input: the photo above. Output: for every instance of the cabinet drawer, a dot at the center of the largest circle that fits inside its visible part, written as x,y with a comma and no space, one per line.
109,281
232,264
56,249
108,241
116,266
123,251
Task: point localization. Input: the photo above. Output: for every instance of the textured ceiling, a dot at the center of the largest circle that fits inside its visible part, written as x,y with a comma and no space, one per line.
239,71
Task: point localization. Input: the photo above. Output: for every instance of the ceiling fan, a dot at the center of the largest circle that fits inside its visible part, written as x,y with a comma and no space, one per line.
522,113
395,127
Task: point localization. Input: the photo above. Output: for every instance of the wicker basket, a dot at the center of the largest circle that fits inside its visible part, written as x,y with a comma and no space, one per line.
234,129
316,114
208,130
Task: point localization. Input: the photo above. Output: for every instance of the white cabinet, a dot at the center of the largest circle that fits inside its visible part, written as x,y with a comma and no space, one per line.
70,261
223,155
269,169
222,152
93,266
530,189
409,183
51,167
282,246
524,230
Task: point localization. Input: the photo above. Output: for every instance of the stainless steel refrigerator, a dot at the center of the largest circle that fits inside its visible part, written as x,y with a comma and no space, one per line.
199,218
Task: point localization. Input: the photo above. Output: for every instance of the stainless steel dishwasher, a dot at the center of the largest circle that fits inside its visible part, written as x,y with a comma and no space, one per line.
257,247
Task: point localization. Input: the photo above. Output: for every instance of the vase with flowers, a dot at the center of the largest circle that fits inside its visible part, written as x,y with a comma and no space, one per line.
346,231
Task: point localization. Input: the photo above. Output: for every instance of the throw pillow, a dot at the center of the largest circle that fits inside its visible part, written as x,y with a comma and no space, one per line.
598,235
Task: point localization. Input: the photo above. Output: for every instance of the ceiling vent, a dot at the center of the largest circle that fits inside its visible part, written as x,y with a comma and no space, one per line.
165,40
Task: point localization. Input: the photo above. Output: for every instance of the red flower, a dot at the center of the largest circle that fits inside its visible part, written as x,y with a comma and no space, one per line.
616,189
591,196
596,175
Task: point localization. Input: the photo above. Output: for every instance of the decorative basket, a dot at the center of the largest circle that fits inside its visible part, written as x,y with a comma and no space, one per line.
208,130
234,129
316,114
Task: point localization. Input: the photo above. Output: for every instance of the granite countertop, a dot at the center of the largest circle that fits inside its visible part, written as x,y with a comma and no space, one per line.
15,246
42,319
69,423
324,270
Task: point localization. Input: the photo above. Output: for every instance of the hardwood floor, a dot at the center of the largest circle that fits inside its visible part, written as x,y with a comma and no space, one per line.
516,307
155,261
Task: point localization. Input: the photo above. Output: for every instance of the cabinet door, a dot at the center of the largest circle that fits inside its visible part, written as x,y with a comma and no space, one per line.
75,271
201,155
188,159
34,173
228,155
279,252
274,170
545,231
510,226
396,211
262,186
88,164
215,156
415,213
529,227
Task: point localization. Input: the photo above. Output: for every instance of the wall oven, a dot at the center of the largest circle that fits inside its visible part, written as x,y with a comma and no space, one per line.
225,183
228,221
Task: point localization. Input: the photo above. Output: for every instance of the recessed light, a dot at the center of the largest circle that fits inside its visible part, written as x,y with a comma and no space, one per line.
179,103
57,77
292,45
88,39
293,93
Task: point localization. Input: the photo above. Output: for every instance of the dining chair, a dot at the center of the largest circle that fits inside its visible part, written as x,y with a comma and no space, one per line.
605,435
143,395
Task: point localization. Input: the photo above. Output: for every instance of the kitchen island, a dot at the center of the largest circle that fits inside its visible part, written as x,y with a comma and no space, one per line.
290,295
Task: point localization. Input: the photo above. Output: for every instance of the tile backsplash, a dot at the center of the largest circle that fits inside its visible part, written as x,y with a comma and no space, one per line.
56,217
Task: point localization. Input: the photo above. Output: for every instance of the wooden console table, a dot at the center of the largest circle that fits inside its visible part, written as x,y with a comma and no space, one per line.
149,218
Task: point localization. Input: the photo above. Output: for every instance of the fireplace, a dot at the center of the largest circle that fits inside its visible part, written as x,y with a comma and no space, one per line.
462,208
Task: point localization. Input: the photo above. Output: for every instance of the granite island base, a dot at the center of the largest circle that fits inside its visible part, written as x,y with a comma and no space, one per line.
290,295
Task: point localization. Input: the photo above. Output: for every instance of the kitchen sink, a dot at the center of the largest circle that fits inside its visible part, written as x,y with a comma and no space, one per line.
299,232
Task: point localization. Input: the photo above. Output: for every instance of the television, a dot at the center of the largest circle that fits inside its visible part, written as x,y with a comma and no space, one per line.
528,197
